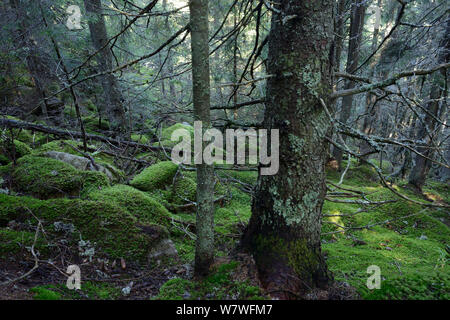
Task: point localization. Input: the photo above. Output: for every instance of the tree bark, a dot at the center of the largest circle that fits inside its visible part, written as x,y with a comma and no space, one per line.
37,68
358,11
283,234
428,128
111,90
204,250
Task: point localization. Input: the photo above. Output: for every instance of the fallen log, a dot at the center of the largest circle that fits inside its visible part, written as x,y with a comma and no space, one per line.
8,123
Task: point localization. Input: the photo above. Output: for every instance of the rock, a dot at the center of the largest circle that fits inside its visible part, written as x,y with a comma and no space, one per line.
423,237
126,291
163,249
80,163
65,227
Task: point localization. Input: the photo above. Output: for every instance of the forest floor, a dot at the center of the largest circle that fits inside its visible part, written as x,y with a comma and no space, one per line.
121,229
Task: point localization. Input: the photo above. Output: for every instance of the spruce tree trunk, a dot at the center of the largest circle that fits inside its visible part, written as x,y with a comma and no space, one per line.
358,11
284,231
37,68
435,107
113,108
204,250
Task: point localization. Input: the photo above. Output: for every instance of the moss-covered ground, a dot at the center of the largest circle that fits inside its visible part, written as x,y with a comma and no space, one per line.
124,218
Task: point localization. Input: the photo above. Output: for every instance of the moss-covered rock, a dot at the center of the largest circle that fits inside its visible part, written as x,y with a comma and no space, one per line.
141,205
167,132
166,135
85,164
113,229
93,181
184,190
155,177
47,178
66,146
61,146
7,150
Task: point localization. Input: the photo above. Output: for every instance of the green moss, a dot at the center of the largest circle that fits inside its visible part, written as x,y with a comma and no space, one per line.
6,150
140,138
43,293
174,289
65,146
19,134
155,177
219,285
165,139
167,132
14,242
433,286
185,246
46,177
93,181
115,231
61,146
141,205
89,290
184,188
91,124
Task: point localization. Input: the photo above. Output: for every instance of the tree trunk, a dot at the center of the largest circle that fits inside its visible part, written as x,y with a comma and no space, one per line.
169,63
204,251
339,27
284,231
428,128
111,90
358,11
37,68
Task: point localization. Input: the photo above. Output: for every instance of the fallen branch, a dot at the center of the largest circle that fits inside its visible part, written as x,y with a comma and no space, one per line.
72,134
387,82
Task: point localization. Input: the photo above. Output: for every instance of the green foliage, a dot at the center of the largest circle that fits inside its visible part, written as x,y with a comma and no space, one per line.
155,177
